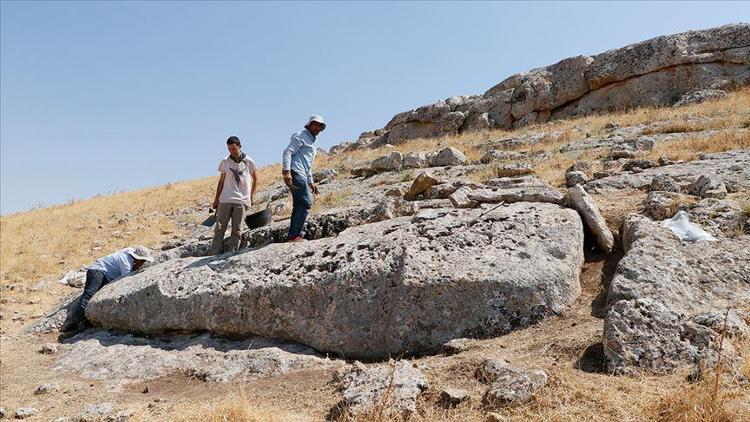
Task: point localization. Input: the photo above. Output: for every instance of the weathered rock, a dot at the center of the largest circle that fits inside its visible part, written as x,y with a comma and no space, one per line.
457,345
365,292
736,325
578,198
25,412
700,96
48,349
363,172
664,183
514,169
509,386
390,162
661,205
452,397
440,191
460,198
516,189
665,161
415,160
641,164
423,182
618,153
575,177
582,166
707,187
324,176
448,157
646,334
112,356
395,192
659,285
94,412
496,155
731,168
46,388
62,314
719,216
391,389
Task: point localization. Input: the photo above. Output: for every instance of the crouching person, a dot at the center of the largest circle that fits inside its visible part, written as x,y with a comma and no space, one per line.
106,270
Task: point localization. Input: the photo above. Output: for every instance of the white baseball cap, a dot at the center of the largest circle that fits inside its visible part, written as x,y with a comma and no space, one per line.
316,118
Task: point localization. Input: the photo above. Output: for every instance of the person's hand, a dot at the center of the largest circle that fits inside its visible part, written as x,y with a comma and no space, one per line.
314,188
288,179
215,205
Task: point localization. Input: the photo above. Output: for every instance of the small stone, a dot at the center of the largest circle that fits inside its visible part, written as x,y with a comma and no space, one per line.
664,183
49,349
457,345
97,410
495,417
390,162
574,177
451,397
514,169
25,412
46,388
640,164
460,198
707,187
664,161
423,182
395,192
661,205
617,154
611,126
448,157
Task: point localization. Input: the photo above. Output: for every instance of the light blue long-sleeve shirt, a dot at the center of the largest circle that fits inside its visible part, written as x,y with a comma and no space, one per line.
115,265
300,154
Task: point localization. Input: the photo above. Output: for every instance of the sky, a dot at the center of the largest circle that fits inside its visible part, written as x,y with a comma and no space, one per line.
99,97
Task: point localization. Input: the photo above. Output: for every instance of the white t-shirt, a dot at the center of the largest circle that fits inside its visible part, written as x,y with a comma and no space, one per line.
237,180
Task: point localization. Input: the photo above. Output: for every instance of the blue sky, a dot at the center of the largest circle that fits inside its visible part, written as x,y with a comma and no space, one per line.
97,97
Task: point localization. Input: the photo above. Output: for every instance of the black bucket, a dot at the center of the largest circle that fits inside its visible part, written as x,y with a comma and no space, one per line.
259,219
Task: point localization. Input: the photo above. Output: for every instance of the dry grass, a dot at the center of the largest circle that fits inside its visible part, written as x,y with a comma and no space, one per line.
689,149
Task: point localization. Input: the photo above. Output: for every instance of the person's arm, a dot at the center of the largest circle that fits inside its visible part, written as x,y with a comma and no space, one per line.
286,161
310,179
219,188
254,188
220,185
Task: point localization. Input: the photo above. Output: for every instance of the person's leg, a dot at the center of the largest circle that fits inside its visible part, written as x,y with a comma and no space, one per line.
95,280
238,216
222,219
302,201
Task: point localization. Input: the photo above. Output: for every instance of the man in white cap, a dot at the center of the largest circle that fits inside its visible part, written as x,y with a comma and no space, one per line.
106,270
297,162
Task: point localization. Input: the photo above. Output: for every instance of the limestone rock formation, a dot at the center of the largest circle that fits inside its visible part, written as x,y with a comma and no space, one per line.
578,198
681,68
370,292
660,285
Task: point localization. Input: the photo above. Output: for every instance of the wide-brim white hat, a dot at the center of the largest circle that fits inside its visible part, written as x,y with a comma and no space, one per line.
316,118
141,252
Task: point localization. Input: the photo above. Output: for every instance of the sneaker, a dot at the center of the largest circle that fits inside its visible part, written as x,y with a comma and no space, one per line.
298,239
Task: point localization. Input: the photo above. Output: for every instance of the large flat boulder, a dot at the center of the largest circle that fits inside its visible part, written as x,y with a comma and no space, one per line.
405,285
660,291
120,357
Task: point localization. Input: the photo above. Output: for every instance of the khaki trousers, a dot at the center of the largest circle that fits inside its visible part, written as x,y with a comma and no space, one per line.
225,212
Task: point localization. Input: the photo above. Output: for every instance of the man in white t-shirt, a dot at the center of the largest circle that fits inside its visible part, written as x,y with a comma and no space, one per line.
234,195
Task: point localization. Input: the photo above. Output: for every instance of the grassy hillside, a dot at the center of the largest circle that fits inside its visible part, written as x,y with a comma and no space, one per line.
42,244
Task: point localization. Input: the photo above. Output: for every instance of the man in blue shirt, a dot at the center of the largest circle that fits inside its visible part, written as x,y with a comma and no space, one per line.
297,162
106,270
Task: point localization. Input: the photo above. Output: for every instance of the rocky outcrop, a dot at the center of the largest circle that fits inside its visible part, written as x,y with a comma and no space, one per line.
116,357
731,168
371,291
660,286
656,72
